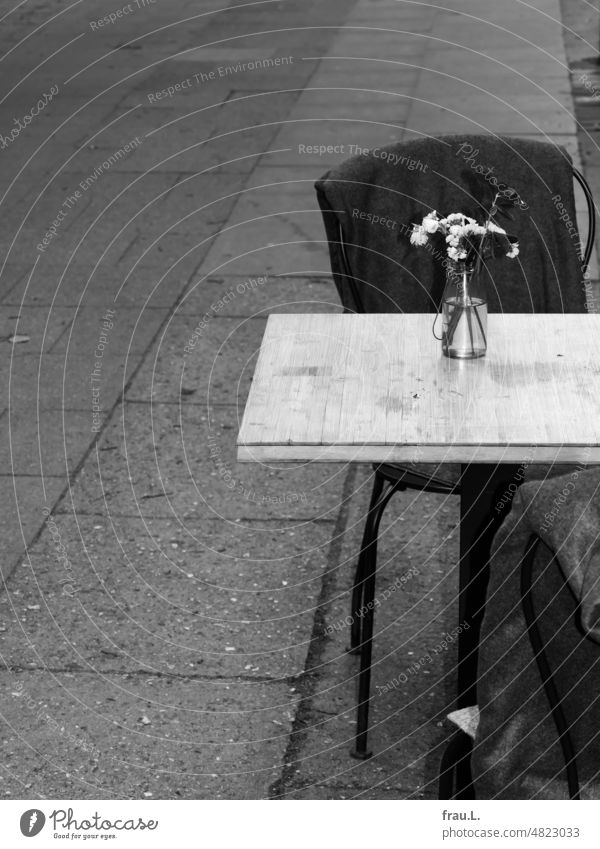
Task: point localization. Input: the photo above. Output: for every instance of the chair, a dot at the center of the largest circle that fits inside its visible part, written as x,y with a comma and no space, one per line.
375,271
546,623
545,669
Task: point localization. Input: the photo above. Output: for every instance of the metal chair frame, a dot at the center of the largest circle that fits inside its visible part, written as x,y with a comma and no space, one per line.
455,779
537,644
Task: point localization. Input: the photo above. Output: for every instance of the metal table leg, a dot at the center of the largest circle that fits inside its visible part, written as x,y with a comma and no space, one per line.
482,486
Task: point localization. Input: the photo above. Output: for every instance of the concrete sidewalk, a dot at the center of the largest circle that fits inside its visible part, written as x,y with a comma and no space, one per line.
175,628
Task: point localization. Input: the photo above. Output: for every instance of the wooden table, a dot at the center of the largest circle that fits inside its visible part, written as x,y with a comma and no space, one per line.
376,388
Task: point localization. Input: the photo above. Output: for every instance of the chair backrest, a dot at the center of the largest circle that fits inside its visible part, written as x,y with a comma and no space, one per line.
370,202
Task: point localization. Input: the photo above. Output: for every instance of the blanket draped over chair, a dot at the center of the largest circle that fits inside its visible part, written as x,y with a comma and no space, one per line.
377,196
517,753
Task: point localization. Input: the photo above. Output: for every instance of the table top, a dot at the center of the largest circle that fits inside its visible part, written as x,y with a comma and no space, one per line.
376,388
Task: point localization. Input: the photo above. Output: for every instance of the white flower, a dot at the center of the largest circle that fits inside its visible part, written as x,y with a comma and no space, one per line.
463,235
456,253
431,222
419,235
475,229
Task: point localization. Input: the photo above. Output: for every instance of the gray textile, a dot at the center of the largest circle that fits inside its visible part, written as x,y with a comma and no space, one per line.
394,276
517,754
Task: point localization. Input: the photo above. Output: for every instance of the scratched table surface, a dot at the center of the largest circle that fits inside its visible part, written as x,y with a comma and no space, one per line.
376,387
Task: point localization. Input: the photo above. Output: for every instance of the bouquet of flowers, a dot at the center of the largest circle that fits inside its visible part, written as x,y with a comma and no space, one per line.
468,241
468,244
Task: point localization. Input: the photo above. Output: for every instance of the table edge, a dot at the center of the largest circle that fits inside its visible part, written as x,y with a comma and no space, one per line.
584,454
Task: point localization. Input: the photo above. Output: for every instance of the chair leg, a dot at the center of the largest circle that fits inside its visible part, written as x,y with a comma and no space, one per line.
537,645
455,773
358,590
360,750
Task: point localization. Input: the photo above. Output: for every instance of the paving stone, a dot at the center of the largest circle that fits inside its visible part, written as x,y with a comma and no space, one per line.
40,326
126,191
49,445
464,119
83,735
221,357
533,64
392,78
23,498
116,593
132,331
294,222
183,147
144,213
180,461
156,282
293,256
414,663
56,383
259,296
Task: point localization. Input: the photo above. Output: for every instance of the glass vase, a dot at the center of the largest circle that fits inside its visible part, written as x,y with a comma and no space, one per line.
464,313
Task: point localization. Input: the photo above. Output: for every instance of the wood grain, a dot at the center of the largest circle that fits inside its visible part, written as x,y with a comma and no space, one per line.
376,387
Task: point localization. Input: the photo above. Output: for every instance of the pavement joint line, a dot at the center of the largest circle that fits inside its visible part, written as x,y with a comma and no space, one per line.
358,788
28,475
314,656
289,680
56,410
58,339
247,519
